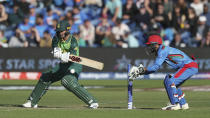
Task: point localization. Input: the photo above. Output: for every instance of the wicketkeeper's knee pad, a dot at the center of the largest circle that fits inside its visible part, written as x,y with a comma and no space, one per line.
168,80
171,89
70,82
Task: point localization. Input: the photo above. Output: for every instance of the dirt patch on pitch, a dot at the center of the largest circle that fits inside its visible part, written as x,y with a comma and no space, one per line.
186,88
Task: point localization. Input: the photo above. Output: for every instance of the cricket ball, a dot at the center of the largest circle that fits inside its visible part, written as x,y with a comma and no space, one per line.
72,71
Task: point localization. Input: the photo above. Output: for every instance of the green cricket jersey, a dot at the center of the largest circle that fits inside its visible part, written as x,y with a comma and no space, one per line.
70,45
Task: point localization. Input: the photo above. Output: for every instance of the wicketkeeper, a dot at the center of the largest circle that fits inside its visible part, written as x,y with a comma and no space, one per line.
178,60
63,44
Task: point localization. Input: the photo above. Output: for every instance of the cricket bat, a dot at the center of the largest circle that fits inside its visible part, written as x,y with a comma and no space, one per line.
87,62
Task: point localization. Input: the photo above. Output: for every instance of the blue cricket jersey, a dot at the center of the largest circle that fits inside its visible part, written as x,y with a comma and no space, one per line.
172,56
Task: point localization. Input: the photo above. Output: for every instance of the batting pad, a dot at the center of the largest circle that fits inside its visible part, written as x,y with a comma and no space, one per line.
39,90
70,82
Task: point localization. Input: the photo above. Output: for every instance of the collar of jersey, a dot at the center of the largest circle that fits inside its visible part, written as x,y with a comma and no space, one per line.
160,48
66,41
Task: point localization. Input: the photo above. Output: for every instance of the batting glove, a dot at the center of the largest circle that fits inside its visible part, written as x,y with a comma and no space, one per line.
57,52
65,57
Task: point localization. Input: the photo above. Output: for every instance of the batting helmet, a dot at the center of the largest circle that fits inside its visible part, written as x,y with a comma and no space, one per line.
62,26
154,39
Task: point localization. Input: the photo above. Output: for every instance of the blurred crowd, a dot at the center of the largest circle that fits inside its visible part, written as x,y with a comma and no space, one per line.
105,23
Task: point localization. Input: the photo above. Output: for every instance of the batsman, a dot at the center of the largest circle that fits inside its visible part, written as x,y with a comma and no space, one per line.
184,65
63,44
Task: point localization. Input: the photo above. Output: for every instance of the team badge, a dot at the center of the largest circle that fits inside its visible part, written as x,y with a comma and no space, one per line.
68,28
58,26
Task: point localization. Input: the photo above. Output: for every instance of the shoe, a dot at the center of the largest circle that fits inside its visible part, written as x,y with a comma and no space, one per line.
172,107
94,106
185,106
168,105
29,105
175,107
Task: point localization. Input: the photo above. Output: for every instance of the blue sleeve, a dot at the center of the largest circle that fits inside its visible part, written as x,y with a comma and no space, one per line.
158,62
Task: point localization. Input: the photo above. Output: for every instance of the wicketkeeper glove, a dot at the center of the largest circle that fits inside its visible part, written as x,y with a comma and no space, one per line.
65,57
136,71
57,52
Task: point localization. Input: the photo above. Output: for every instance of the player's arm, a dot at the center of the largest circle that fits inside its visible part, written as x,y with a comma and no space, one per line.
74,49
56,51
158,62
140,70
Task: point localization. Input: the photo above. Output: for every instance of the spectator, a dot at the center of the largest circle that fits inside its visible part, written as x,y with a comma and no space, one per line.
59,3
93,9
3,17
40,26
132,41
25,27
206,41
74,27
93,2
103,30
50,16
3,40
177,41
18,40
139,15
79,16
129,11
183,7
207,3
205,9
68,4
47,3
15,17
23,5
33,2
161,17
51,29
115,8
68,15
198,6
139,3
87,33
168,7
142,19
176,19
32,15
77,20
201,30
206,13
34,39
120,29
78,3
150,6
192,20
119,32
46,41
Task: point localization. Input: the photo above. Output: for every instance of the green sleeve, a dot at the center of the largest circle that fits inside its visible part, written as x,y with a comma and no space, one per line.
74,49
55,42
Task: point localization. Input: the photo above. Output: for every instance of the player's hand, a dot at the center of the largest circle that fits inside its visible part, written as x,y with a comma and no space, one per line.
57,52
65,57
136,71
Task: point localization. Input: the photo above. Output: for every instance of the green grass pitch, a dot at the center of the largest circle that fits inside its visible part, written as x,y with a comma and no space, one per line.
112,100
